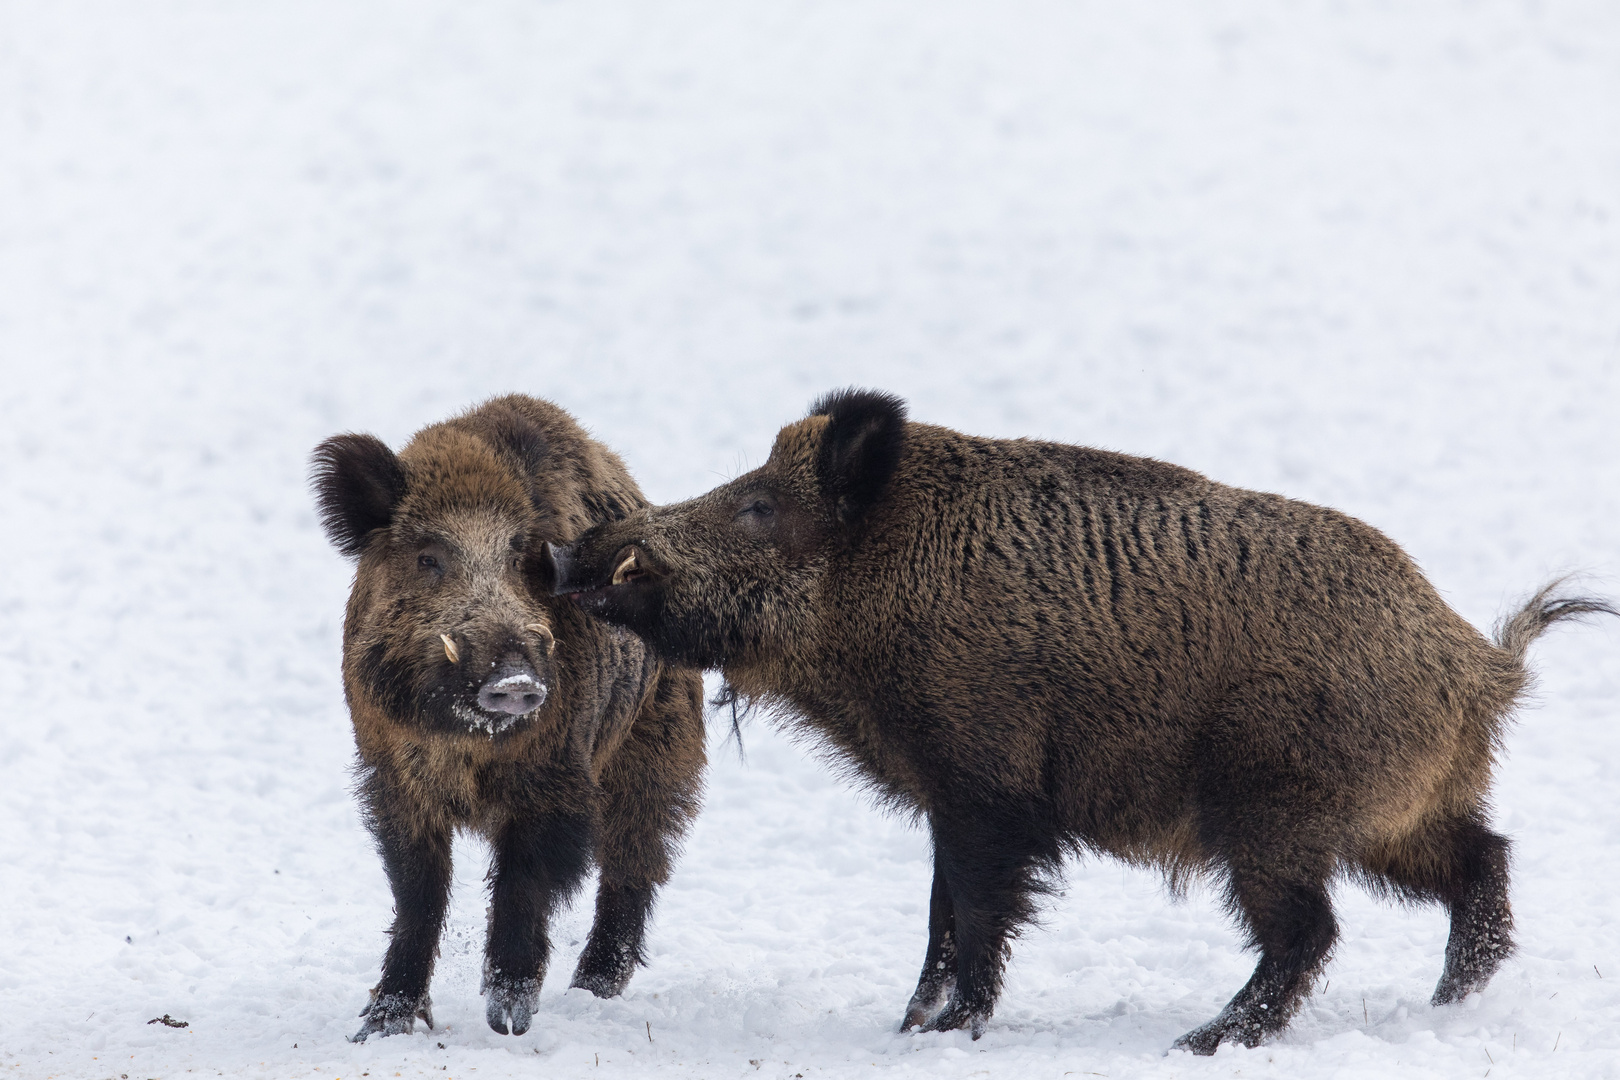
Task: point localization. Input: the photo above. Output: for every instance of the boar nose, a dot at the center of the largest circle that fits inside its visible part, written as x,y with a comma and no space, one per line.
512,688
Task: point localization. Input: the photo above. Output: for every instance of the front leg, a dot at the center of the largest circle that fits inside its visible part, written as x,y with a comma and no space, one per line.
418,868
539,861
939,963
991,862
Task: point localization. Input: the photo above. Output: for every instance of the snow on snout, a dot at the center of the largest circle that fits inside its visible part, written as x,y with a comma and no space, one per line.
517,693
520,685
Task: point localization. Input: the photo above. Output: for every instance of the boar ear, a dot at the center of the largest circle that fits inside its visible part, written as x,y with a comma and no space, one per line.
860,448
358,481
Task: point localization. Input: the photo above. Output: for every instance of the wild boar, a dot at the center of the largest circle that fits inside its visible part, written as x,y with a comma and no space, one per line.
480,702
1044,650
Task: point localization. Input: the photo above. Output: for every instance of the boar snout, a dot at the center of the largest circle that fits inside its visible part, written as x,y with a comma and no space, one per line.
563,569
513,687
612,580
575,574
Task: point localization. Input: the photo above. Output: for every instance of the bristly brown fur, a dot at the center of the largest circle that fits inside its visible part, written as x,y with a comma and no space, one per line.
451,583
1041,648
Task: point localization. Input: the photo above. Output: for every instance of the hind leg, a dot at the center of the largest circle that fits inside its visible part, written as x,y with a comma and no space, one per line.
1463,865
652,784
1291,920
1481,919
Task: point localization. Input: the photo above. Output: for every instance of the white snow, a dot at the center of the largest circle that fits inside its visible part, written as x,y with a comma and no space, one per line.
478,720
1366,255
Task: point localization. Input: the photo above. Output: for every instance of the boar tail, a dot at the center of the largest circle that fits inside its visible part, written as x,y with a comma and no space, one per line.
1515,632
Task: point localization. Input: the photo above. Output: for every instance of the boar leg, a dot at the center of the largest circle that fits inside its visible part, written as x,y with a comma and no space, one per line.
1463,864
990,863
938,977
1291,920
652,783
1481,918
418,868
615,946
538,861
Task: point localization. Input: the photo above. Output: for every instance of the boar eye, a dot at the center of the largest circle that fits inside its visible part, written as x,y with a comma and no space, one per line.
425,561
758,518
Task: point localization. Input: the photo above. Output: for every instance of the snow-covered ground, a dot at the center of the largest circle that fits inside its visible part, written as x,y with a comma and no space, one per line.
1363,254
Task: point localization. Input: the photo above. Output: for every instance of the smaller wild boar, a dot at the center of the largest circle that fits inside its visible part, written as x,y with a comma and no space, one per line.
479,702
1045,650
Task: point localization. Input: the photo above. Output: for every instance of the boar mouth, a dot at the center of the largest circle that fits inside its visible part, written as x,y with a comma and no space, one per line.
481,722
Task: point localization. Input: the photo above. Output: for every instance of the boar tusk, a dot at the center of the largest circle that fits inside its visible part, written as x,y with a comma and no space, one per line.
545,635
625,568
450,649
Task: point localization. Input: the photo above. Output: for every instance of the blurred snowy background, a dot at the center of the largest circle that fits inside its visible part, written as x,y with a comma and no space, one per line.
1362,254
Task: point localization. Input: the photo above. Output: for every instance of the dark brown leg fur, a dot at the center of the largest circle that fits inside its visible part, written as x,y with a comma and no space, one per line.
1270,830
1463,865
938,977
1481,938
418,868
615,945
1294,926
537,864
991,858
652,787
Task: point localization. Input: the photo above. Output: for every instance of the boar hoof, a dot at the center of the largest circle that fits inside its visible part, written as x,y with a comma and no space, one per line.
1473,957
1456,985
958,1014
1224,1028
602,984
511,1004
923,1004
1201,1041
393,1014
604,972
916,1016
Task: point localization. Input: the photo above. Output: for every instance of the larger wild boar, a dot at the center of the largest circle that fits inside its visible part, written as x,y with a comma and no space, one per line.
1044,649
480,702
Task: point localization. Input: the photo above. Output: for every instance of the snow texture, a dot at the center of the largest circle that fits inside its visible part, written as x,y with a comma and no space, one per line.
1364,254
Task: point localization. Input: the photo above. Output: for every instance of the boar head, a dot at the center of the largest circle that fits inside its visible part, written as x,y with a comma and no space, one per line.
446,628
730,578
